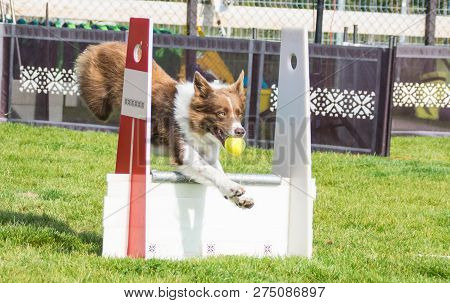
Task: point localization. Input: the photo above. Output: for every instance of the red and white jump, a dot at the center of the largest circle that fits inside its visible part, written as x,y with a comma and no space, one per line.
159,215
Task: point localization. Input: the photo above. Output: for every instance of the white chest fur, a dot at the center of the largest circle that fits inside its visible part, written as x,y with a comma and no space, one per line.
195,145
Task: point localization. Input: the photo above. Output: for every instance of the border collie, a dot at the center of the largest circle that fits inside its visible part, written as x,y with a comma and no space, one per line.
190,121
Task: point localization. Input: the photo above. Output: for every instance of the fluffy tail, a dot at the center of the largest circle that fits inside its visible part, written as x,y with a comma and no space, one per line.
100,71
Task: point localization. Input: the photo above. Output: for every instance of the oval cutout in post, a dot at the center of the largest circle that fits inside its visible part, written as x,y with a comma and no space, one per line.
137,52
293,61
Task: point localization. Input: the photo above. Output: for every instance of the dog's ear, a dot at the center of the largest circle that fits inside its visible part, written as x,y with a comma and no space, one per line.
239,85
201,86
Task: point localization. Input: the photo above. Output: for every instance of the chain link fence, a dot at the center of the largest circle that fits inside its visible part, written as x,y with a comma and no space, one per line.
375,20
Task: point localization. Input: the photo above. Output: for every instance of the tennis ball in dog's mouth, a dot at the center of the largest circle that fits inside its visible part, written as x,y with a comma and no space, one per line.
235,146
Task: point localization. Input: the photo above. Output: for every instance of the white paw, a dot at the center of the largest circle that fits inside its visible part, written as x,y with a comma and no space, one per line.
243,202
231,190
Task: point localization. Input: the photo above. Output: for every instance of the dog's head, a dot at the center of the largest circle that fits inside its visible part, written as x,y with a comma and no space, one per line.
218,110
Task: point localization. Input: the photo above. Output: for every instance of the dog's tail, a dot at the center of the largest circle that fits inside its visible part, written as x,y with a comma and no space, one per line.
100,71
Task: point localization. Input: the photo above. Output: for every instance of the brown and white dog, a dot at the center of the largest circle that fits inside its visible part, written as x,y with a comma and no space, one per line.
190,121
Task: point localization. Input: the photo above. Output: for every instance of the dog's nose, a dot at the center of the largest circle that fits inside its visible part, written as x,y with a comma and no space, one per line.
239,132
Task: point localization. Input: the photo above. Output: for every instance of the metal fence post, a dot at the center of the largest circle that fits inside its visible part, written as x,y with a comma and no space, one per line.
384,115
255,94
46,15
318,34
404,11
341,8
355,33
4,98
191,24
393,42
11,72
430,22
249,84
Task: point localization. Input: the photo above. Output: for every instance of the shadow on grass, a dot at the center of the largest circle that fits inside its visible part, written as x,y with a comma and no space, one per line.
48,231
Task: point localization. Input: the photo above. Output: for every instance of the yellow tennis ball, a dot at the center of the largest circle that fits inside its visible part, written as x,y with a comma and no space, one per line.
235,146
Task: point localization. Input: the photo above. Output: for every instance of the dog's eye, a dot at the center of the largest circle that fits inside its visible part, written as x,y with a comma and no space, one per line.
221,114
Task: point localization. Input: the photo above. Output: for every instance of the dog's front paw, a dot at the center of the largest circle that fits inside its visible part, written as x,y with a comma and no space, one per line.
232,190
243,202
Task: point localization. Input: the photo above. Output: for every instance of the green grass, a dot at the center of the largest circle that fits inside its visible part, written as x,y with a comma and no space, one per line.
375,219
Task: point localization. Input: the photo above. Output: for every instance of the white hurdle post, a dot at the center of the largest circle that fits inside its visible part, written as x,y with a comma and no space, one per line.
292,150
183,219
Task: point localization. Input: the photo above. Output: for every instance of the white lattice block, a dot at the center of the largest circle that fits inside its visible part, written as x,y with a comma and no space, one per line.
407,94
44,80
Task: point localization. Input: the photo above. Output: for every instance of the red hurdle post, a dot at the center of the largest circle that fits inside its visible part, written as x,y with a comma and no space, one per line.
134,145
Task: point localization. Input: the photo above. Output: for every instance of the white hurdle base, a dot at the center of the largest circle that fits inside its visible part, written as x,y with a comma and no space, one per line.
192,220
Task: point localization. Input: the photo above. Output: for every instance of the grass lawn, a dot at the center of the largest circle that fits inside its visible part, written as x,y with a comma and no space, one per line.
375,219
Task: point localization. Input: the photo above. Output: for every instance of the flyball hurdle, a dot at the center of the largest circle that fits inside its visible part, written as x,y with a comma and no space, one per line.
163,215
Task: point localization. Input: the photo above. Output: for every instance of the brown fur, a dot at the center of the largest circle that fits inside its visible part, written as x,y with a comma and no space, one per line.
100,70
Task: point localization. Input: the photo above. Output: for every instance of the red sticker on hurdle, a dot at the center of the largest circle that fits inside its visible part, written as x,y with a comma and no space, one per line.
134,143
